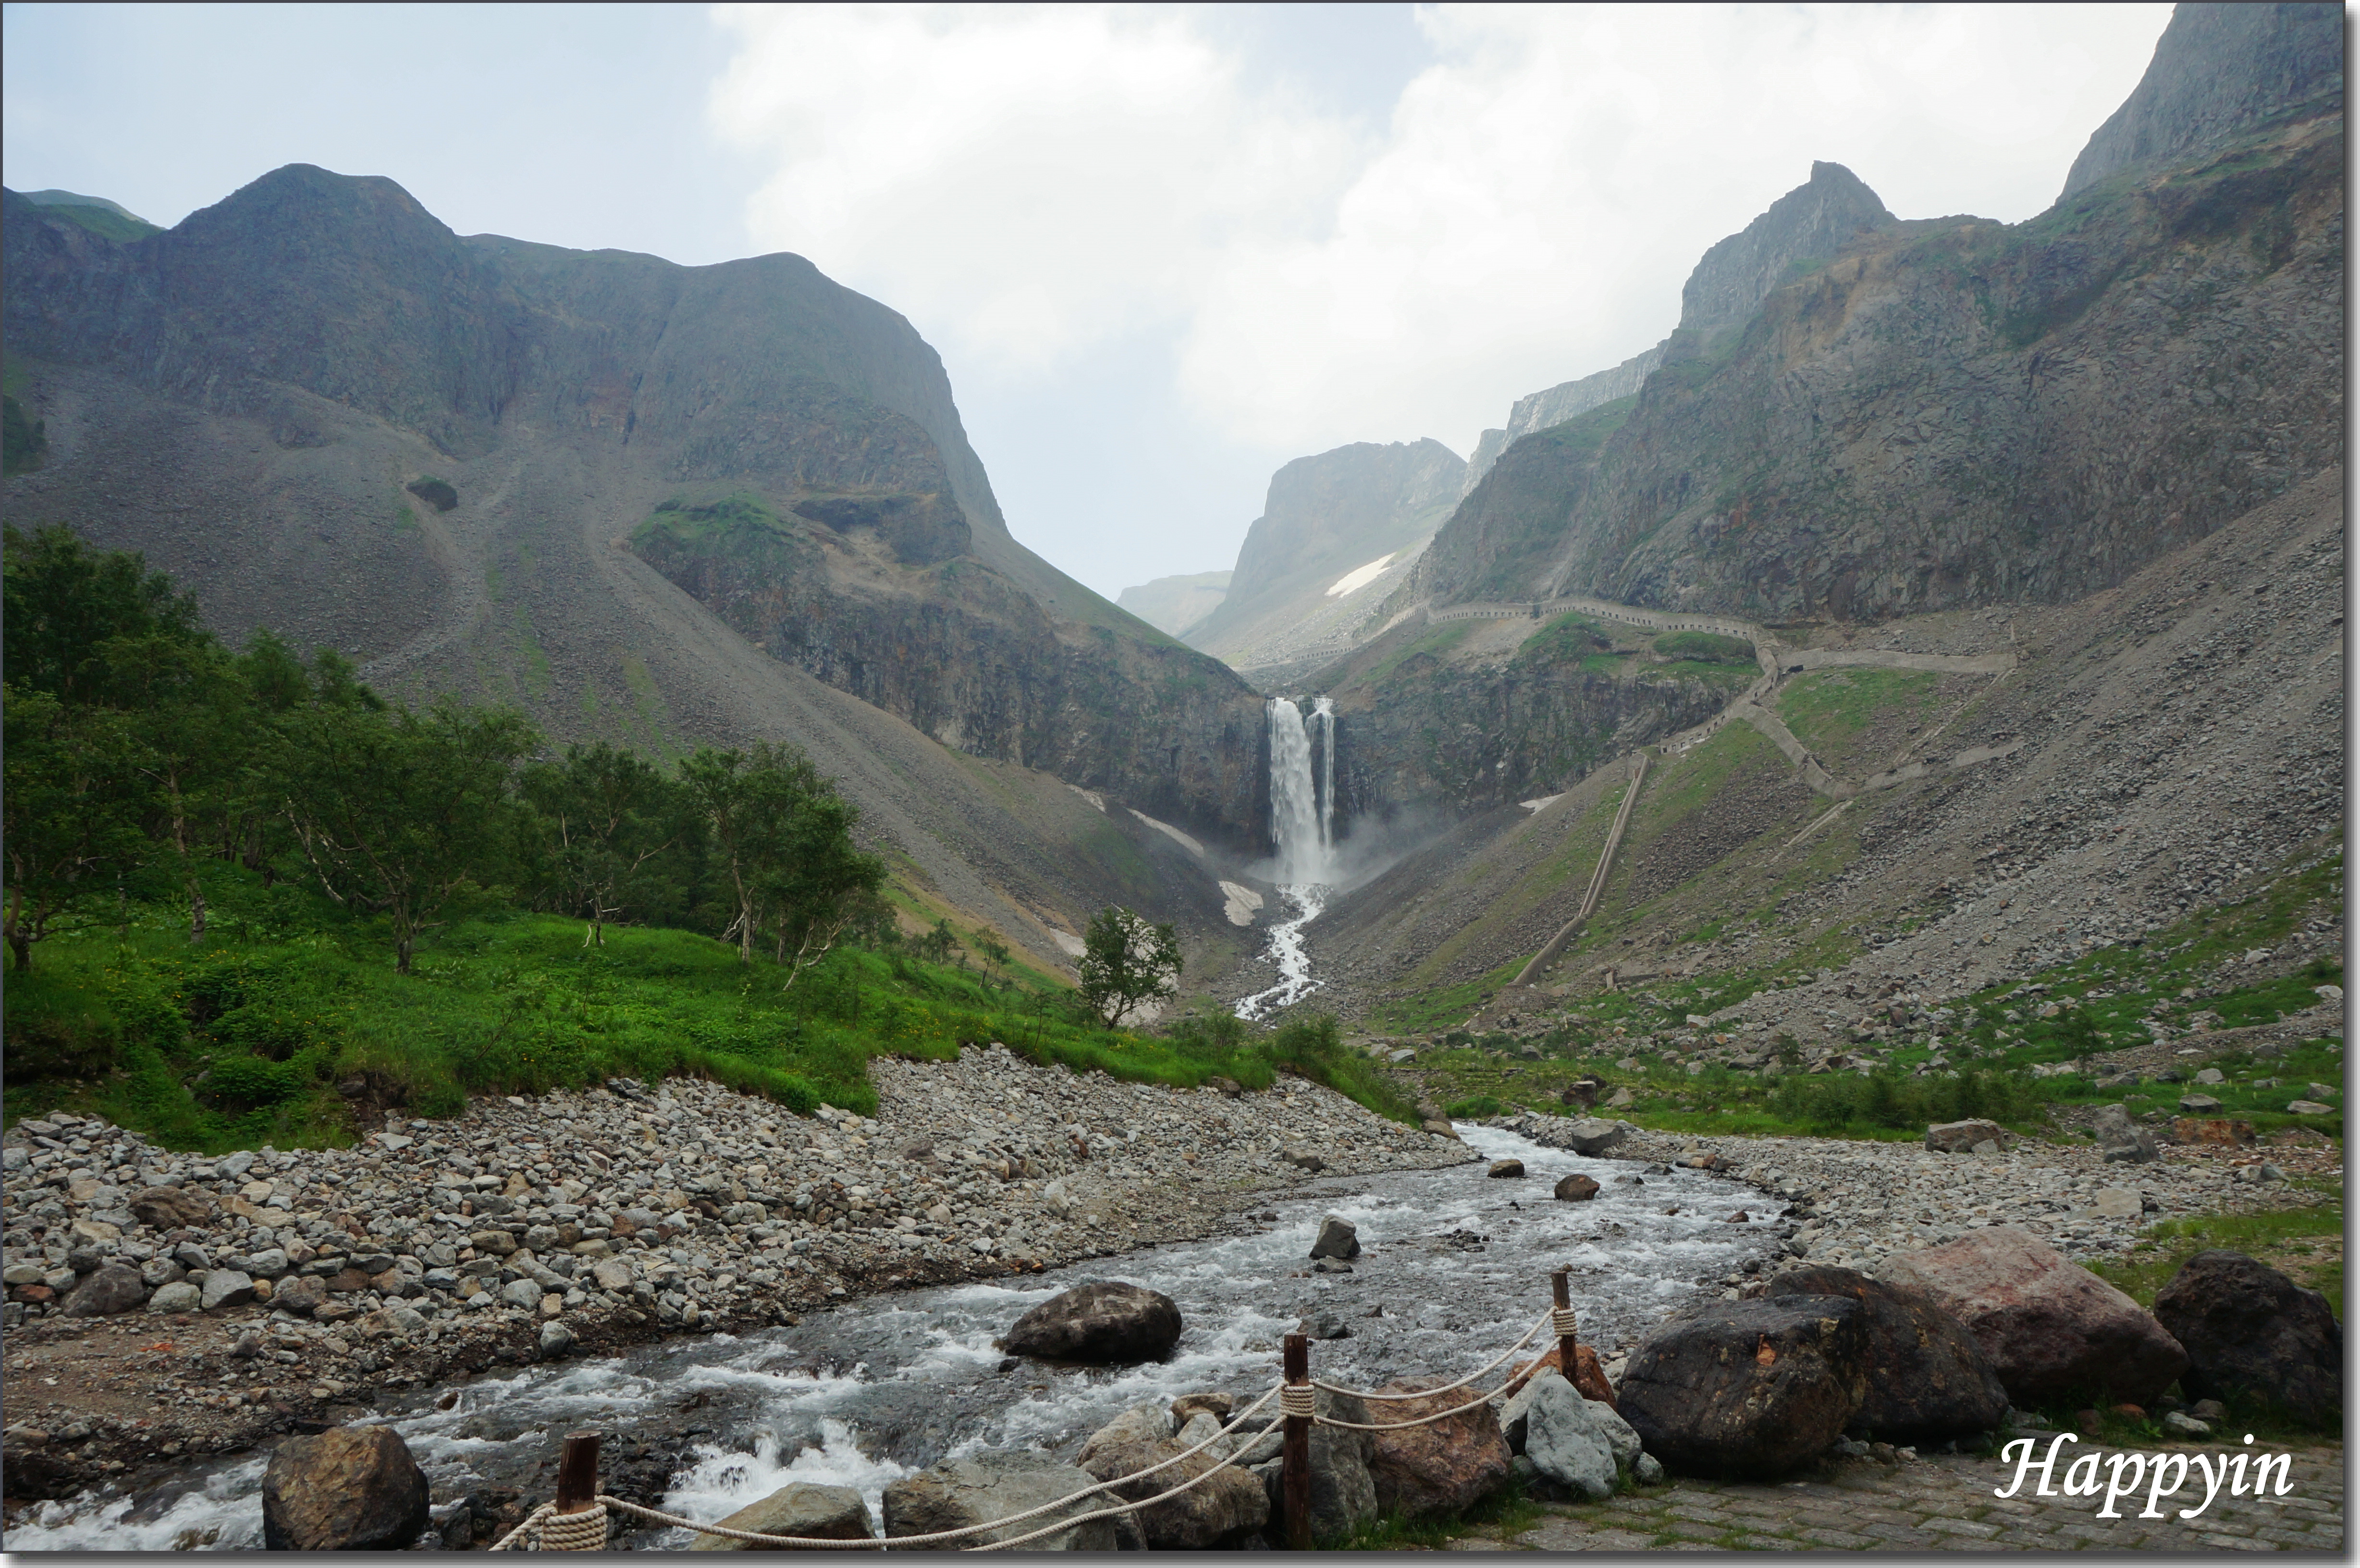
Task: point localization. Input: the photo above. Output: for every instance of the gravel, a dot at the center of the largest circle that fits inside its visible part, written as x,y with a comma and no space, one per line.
627,1212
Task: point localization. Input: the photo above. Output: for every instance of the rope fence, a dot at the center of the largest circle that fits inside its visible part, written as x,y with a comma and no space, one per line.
577,1518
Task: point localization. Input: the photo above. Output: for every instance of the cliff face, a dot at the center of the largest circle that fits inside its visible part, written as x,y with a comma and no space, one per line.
245,397
1955,411
1808,225
2219,71
1325,517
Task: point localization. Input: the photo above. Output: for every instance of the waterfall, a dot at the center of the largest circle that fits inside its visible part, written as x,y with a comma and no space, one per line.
1302,826
1297,819
1324,711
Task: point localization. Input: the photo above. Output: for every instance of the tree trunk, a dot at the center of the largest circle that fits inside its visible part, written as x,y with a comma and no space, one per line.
196,913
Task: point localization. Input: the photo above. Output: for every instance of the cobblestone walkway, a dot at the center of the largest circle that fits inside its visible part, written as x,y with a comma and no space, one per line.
1941,1503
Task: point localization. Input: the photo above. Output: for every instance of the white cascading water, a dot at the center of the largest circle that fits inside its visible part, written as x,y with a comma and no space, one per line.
1301,819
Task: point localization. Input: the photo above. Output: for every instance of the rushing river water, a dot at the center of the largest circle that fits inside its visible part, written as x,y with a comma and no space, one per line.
1454,1268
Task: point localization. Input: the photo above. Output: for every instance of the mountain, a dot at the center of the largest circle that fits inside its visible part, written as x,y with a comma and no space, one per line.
96,214
2220,71
659,503
1805,226
1294,598
1952,411
1172,605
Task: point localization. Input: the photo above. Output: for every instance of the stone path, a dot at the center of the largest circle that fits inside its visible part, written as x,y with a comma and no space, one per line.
1941,1503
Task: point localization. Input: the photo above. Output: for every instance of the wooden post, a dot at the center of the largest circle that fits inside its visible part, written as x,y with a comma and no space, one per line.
1294,1467
1561,1295
577,1473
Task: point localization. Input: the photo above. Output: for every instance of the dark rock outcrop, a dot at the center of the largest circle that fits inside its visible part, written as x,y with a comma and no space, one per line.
351,1488
1106,1321
992,1485
2050,1327
1927,1377
2218,69
1801,229
2252,1333
1747,1387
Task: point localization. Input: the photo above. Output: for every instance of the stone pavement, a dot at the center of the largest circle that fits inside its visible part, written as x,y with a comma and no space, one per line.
1942,1502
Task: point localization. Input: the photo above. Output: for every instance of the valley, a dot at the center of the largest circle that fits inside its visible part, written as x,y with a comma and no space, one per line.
1862,776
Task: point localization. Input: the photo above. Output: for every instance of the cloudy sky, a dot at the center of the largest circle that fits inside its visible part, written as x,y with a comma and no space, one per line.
1162,250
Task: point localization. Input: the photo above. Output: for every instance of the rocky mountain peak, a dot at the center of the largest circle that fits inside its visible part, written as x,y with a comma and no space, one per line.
1810,223
2219,69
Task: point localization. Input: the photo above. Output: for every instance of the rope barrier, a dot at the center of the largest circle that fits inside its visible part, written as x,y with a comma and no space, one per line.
1358,1394
904,1542
585,1530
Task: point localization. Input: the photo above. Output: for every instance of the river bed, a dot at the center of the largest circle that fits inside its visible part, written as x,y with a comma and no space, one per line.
1454,1269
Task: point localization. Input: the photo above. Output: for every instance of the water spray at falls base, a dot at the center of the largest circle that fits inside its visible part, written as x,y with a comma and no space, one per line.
1302,825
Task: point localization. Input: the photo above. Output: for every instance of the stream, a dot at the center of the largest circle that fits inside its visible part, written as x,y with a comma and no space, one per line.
1454,1268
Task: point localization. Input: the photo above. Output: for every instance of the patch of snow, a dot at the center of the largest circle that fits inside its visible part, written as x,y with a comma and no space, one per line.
1073,945
1189,844
1542,804
1360,577
1243,903
1092,796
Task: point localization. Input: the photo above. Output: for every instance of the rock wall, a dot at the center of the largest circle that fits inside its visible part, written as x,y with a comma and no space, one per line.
2218,70
1956,411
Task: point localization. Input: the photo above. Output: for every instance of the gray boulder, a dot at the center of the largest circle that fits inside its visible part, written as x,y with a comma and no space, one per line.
1591,1135
2123,1139
225,1288
1223,1510
116,1288
1338,1239
990,1486
813,1512
178,1297
1343,1488
1565,1442
1960,1137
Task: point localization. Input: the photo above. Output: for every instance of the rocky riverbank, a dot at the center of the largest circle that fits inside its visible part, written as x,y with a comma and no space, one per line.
1856,1204
166,1305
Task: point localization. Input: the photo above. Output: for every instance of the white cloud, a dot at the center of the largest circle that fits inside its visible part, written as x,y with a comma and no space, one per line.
1031,181
1037,187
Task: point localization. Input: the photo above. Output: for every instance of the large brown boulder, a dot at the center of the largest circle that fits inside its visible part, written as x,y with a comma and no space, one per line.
353,1489
997,1485
1443,1466
2052,1329
1589,1376
1747,1387
170,1208
813,1512
1960,1137
2251,1333
1575,1188
1222,1511
1105,1320
1928,1379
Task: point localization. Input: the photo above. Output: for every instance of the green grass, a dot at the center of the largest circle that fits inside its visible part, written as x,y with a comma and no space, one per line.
1829,706
2305,1243
101,221
245,1040
1434,644
1708,647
